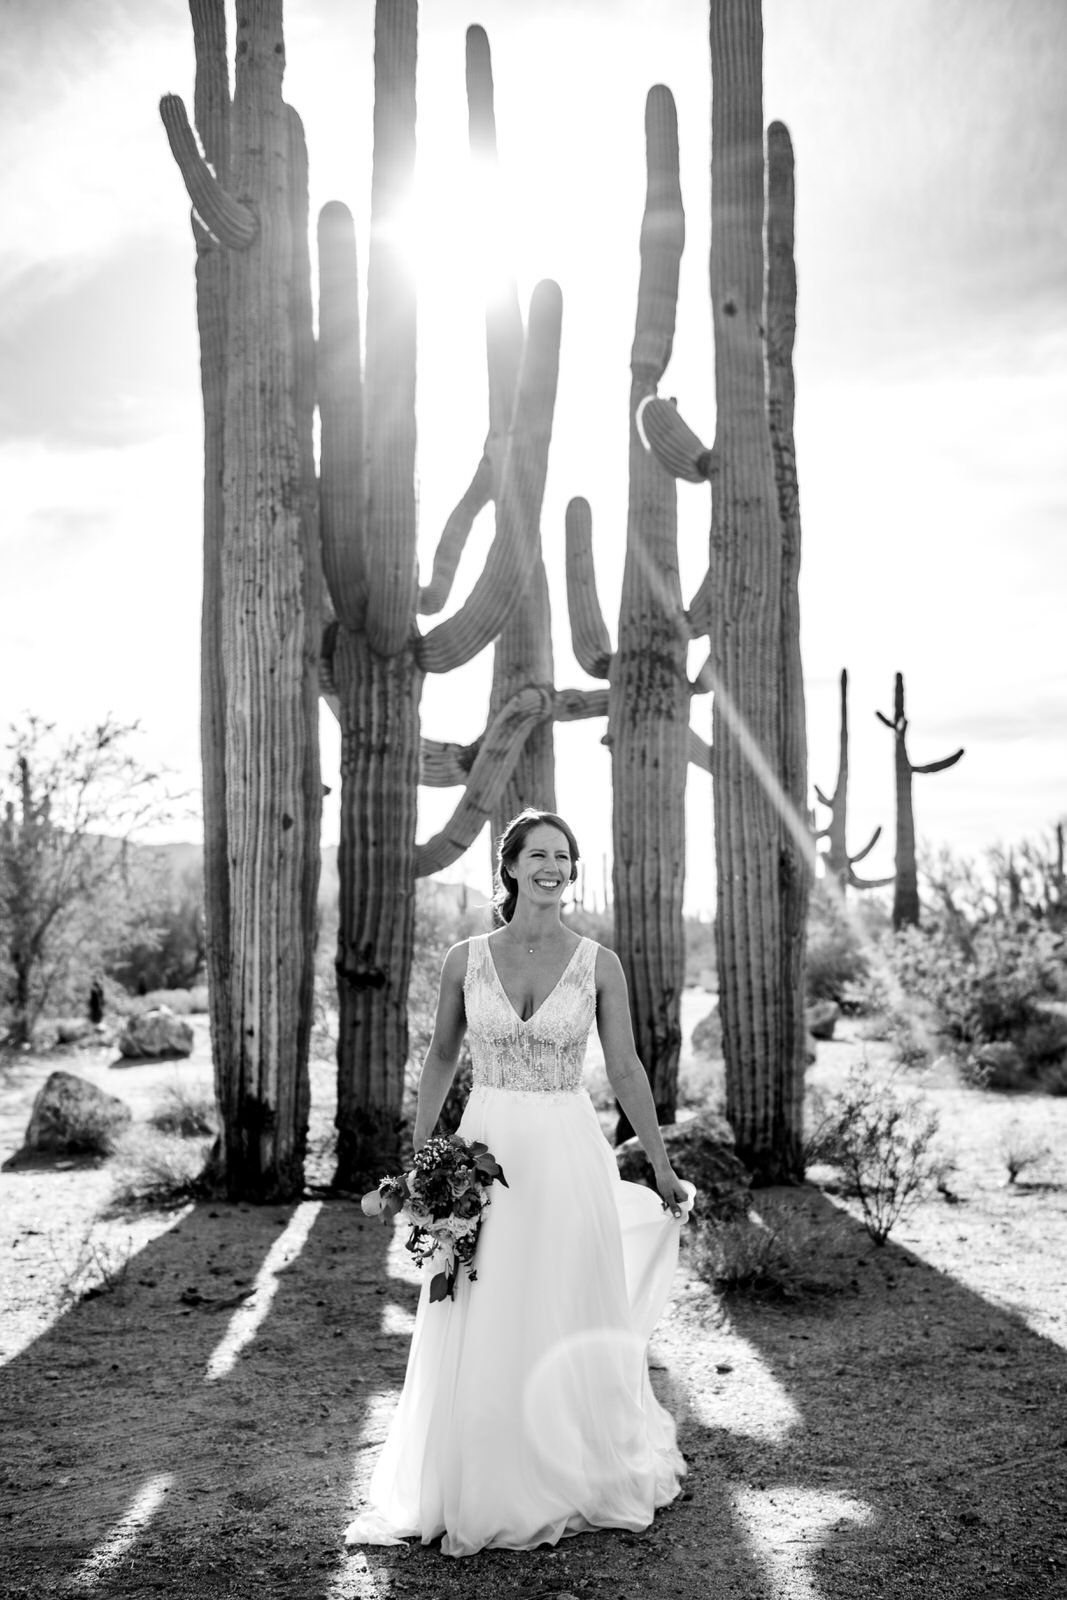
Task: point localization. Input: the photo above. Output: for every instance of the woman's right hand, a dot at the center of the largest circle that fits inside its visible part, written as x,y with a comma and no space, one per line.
672,1191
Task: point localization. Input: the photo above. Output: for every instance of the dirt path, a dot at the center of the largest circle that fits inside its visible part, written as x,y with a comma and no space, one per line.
204,1429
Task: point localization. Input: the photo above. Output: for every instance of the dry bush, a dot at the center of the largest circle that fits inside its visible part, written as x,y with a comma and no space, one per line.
188,1113
1020,1148
158,1170
90,1263
777,1252
881,1140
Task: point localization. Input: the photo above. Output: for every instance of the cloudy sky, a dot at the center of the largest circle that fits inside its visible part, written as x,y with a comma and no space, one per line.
931,148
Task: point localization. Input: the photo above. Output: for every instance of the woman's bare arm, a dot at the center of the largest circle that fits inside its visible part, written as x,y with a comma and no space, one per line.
450,1024
628,1077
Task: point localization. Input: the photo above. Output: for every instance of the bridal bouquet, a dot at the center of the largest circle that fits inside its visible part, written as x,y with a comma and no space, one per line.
443,1197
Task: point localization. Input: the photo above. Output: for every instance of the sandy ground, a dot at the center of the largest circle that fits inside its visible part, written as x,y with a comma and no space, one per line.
204,1428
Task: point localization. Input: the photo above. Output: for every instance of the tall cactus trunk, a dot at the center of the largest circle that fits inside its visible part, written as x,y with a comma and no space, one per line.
648,703
270,639
379,699
798,845
906,905
212,110
906,908
763,1045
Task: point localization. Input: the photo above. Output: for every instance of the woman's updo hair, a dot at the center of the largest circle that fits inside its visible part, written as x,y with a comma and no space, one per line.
511,842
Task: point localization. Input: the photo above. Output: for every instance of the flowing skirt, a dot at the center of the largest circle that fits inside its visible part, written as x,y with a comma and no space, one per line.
527,1411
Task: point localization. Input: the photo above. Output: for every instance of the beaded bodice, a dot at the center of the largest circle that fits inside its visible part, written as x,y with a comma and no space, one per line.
543,1054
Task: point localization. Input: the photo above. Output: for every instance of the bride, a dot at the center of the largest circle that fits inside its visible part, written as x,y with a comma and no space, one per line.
527,1411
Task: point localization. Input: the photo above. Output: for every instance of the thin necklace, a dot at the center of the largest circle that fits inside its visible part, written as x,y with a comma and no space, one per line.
527,947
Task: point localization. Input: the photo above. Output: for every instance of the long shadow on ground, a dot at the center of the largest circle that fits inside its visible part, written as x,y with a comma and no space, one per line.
241,1484
943,1413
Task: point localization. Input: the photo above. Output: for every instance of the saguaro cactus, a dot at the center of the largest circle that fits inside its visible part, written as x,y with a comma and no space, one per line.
262,593
763,846
839,864
649,696
906,890
375,655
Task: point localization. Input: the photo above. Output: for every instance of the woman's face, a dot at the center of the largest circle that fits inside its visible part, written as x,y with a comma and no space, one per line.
542,868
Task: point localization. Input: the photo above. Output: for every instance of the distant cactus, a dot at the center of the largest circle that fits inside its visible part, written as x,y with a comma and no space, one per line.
649,697
839,864
259,722
375,657
906,891
748,605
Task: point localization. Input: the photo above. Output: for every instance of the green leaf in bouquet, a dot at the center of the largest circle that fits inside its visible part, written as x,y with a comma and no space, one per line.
391,1206
441,1286
490,1168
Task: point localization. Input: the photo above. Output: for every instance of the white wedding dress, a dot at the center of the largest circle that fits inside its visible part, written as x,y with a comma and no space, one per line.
527,1411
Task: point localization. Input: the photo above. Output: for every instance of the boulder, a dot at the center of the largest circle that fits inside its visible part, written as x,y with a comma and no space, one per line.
71,1116
74,1030
821,1018
156,1034
706,1037
702,1150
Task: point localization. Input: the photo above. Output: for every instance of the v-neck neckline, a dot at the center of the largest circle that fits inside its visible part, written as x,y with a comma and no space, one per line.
525,1021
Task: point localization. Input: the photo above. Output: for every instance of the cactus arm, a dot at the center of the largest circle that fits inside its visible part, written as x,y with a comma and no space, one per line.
699,610
500,749
869,883
699,751
868,847
823,801
389,381
514,549
443,764
340,391
589,635
211,94
672,441
940,766
433,596
887,721
232,223
503,319
575,705
704,681
503,342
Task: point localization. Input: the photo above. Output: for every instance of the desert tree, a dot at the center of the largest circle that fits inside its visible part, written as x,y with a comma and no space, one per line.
74,892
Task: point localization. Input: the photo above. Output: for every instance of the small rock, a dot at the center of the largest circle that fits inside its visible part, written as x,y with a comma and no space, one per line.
156,1034
702,1150
821,1018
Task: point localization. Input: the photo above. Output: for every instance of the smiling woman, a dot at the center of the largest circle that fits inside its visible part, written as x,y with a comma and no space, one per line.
527,1411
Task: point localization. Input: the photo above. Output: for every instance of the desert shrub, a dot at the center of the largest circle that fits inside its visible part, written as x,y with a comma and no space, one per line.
835,963
775,1252
700,962
881,1139
156,1169
187,1113
1020,1148
91,1262
991,985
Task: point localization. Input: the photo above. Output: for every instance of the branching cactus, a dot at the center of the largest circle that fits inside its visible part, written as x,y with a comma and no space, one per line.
906,890
839,864
649,735
748,604
262,590
375,655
